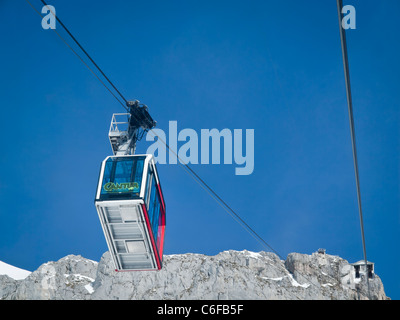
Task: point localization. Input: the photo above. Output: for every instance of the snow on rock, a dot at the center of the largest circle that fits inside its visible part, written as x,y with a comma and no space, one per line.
227,275
65,279
13,272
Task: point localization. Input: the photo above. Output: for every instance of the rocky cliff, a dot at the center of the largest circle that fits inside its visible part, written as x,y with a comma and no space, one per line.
227,275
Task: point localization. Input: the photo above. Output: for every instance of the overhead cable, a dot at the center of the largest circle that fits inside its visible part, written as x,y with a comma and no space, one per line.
352,130
85,52
184,165
187,168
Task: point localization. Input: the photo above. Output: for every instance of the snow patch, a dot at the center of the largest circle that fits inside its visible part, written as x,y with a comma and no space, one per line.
254,255
78,259
273,279
292,281
296,284
327,285
76,277
89,288
79,277
13,272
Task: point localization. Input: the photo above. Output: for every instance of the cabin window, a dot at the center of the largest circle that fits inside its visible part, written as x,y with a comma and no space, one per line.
154,209
148,186
357,270
361,269
122,178
370,271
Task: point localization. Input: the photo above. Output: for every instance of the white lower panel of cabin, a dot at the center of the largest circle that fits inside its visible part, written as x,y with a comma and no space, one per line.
126,233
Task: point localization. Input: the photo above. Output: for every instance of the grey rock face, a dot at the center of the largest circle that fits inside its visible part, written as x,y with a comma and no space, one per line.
228,275
67,279
7,287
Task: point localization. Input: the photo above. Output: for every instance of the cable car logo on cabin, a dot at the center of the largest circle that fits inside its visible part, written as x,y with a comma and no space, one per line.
129,199
121,187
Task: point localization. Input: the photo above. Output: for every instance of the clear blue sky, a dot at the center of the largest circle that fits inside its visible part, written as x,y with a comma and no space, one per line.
272,66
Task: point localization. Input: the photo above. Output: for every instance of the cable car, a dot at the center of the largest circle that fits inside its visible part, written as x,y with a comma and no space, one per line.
131,208
129,199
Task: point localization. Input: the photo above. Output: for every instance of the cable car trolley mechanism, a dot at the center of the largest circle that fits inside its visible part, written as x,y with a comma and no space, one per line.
129,199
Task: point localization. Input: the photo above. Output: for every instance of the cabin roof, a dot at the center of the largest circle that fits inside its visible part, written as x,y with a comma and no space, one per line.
361,263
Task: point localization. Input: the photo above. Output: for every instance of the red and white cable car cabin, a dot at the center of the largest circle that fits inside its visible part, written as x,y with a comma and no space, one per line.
131,209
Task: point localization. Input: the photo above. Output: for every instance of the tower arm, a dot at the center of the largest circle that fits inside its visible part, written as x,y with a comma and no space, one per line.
124,135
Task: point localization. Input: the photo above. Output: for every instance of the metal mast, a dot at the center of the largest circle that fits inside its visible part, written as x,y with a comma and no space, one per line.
128,128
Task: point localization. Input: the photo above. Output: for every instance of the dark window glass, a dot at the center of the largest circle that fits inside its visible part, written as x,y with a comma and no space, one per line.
122,178
154,209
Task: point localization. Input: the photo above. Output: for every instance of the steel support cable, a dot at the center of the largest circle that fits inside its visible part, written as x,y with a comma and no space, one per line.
228,209
187,168
79,57
184,165
216,197
87,54
352,130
